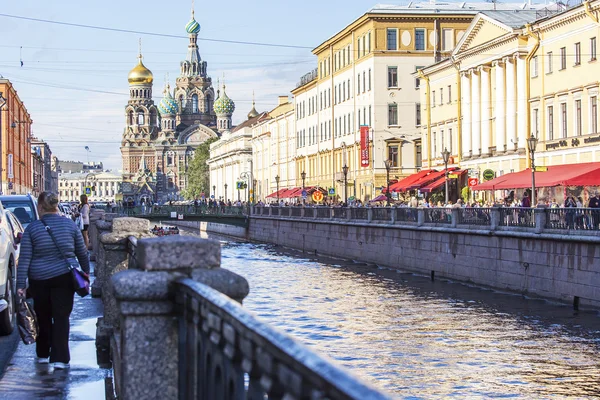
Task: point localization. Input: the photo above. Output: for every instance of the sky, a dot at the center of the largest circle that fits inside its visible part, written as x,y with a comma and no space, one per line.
74,79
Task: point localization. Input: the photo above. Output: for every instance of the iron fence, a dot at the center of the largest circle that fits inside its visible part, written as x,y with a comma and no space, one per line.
382,214
586,219
474,216
406,214
225,352
296,212
517,216
323,212
274,210
438,215
359,213
339,213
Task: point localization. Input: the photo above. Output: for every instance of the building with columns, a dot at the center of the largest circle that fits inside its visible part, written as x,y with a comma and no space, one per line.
106,186
512,76
365,78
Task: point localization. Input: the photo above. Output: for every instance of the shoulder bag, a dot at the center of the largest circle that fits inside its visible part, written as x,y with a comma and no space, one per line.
81,282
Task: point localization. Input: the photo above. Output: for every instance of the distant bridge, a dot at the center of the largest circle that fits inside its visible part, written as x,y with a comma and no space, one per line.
237,216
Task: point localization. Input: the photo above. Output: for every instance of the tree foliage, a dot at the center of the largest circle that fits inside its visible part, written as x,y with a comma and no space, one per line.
198,172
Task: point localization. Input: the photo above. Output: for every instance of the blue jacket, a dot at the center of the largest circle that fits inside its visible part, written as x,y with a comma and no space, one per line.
40,259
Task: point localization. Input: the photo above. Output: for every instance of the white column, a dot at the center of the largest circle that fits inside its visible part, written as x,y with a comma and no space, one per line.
485,110
466,111
499,107
475,114
521,102
511,105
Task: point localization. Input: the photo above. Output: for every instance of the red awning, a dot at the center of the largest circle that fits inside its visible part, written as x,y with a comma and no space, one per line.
275,193
404,183
586,174
427,179
440,181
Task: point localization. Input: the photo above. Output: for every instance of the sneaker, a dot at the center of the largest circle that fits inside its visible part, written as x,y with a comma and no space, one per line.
41,360
59,365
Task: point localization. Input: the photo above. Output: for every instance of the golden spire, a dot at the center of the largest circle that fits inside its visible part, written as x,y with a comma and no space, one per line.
140,74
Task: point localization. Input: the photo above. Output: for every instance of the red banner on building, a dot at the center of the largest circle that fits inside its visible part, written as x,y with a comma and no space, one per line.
364,146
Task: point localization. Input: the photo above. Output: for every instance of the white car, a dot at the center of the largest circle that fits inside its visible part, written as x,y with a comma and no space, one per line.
11,232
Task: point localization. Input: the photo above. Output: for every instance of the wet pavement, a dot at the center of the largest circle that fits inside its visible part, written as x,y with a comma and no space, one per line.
84,380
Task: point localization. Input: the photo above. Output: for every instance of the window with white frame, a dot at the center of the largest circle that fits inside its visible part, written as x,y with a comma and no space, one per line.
550,123
433,99
563,120
419,39
358,84
418,114
593,49
563,58
447,39
536,122
450,140
549,58
577,117
392,114
593,114
392,77
441,96
534,67
449,94
577,53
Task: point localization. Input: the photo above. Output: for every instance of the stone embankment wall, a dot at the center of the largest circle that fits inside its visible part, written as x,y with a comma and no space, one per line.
227,230
565,268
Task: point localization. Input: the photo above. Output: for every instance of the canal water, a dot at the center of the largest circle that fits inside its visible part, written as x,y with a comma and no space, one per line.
421,339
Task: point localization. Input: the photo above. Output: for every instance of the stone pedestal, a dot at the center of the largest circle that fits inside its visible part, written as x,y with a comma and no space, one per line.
95,215
147,364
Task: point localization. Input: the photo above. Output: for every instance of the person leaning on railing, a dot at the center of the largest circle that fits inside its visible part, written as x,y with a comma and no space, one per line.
595,204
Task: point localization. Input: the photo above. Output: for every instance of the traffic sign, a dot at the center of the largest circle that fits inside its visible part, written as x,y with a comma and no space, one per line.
331,192
453,176
304,194
473,182
88,190
317,196
488,175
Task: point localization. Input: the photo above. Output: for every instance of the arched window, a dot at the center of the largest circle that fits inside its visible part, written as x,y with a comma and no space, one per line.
153,119
170,184
140,118
195,103
181,102
130,118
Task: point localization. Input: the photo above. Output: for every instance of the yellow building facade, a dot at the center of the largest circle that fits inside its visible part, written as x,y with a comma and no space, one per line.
513,75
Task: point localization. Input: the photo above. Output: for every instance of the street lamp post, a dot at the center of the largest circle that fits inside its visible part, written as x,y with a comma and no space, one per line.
532,142
225,192
446,158
303,176
345,171
277,182
214,192
388,165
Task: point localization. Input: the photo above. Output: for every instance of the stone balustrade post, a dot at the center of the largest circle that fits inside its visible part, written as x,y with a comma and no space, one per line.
454,217
369,214
146,352
303,212
270,211
115,258
420,217
315,213
348,213
95,215
495,218
102,226
330,212
290,211
540,219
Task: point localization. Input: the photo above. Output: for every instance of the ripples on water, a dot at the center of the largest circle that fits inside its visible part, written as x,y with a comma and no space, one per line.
418,338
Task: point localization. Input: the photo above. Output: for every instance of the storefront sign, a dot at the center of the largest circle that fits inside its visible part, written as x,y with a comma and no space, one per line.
473,182
364,146
453,176
317,196
488,175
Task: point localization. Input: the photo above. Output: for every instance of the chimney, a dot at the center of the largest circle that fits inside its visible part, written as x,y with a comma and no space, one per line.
283,100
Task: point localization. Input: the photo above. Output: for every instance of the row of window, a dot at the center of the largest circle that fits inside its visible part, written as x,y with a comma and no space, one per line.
441,91
444,143
76,193
563,118
563,57
80,184
419,42
364,45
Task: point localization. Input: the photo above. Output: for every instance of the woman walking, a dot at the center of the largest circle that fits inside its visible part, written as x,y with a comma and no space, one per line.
50,279
84,213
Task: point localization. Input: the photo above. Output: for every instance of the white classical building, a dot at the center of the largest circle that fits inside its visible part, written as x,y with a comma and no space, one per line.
231,161
274,142
106,186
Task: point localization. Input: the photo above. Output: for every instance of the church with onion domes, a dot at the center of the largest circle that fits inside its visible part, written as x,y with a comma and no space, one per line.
159,140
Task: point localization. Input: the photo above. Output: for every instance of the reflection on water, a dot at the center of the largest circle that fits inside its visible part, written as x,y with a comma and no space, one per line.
420,338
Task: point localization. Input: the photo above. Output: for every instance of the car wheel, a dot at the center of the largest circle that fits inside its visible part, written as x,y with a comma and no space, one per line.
7,317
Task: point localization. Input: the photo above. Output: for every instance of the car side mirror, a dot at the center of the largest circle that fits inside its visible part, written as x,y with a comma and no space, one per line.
19,237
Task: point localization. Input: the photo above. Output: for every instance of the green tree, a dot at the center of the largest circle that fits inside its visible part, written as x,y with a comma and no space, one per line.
198,172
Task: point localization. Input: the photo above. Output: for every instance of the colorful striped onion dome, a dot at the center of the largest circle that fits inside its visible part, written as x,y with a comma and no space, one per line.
224,105
168,105
193,26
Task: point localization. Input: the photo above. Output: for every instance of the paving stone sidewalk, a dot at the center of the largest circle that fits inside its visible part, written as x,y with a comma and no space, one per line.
25,380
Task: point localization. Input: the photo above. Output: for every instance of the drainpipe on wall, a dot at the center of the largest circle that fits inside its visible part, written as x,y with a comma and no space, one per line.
536,46
428,105
459,110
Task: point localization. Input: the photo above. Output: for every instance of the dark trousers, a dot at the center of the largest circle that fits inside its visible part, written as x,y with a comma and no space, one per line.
53,303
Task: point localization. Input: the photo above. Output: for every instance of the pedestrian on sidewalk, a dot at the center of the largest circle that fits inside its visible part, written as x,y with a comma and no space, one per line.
50,279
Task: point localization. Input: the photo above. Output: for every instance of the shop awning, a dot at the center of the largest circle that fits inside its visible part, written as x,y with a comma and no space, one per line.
440,181
586,174
401,185
427,179
275,194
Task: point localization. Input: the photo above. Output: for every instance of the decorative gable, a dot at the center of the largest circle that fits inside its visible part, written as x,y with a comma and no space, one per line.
482,30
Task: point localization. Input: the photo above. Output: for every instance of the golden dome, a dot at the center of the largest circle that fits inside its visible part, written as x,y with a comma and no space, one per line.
140,75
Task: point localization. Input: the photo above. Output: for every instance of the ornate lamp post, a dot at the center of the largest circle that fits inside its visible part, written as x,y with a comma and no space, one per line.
303,176
532,142
446,158
388,165
214,192
225,192
345,171
277,182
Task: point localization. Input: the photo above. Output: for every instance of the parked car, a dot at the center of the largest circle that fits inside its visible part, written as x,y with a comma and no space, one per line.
23,206
65,209
11,232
